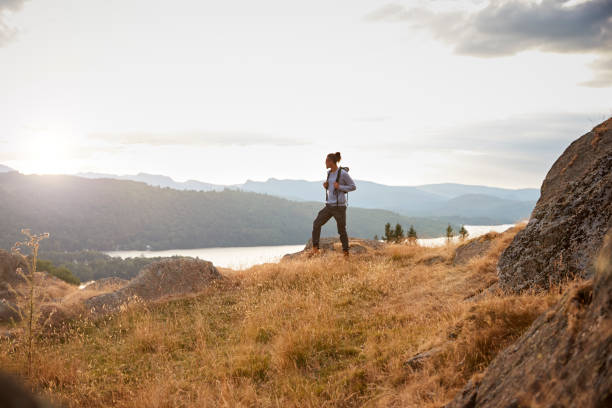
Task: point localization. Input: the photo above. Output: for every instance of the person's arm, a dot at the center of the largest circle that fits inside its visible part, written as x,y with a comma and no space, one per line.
346,183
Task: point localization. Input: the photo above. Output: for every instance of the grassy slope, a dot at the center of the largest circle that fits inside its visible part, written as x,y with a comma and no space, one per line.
320,332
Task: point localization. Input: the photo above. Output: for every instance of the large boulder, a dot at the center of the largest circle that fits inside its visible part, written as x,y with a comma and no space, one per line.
563,360
570,219
166,278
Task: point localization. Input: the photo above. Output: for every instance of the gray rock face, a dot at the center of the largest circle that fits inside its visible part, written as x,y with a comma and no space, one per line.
171,277
569,221
563,360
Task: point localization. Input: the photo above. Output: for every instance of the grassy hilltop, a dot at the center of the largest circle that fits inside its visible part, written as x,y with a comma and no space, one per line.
304,332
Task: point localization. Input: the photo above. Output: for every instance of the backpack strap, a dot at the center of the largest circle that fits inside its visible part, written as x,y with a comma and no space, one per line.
327,189
338,180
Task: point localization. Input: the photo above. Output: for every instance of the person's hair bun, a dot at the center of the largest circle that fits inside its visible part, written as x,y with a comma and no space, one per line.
334,156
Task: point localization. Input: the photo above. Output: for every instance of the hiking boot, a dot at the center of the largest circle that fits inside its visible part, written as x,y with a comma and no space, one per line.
346,253
314,252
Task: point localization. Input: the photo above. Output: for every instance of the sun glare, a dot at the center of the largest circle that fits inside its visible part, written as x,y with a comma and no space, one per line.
46,152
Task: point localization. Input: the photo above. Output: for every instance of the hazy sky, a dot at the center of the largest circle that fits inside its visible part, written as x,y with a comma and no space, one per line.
410,92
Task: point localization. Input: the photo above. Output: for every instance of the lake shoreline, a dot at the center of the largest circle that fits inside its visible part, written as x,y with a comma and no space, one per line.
246,256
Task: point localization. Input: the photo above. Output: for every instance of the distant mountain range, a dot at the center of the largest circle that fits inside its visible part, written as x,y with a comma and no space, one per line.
158,180
108,214
471,204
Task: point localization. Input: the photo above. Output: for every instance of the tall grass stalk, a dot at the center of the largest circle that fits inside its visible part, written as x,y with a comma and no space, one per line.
32,242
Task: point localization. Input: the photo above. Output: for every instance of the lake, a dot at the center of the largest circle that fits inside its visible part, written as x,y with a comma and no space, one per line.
473,231
245,257
226,257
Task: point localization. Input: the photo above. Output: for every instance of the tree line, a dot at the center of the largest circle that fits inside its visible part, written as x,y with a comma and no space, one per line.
396,234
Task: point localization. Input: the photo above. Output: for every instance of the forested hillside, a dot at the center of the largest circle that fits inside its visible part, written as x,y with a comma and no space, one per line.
107,214
480,205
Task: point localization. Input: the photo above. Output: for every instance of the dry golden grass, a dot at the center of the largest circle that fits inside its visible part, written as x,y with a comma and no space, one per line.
310,333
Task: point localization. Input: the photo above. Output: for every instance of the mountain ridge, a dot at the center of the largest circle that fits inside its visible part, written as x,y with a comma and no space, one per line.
429,200
526,193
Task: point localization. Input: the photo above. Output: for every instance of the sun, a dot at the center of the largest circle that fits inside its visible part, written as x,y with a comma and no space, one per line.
46,152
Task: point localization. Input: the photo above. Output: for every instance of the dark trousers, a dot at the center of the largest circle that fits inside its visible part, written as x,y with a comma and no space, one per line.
339,213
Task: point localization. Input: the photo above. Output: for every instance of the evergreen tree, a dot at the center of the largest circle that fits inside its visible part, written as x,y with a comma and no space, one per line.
389,233
449,233
375,237
412,235
463,232
398,233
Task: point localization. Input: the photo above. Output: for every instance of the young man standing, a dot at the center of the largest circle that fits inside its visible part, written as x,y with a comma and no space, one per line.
335,205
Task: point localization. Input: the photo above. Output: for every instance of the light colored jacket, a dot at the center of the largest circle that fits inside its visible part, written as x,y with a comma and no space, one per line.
346,184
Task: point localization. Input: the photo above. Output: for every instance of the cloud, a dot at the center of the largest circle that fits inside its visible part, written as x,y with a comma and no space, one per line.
507,27
12,5
516,151
7,33
195,138
603,73
524,141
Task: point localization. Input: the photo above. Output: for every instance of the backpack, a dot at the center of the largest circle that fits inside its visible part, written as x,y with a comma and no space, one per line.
337,181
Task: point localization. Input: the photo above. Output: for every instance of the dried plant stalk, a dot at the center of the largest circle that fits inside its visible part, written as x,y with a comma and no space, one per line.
32,242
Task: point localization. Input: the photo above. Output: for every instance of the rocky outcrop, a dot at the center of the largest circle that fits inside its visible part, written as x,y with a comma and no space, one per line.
473,248
166,278
563,360
568,223
328,244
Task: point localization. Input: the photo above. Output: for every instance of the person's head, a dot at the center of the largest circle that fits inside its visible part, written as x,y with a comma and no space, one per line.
332,160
